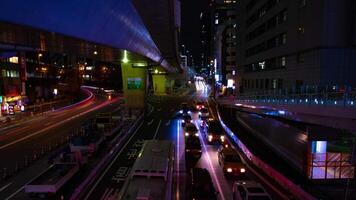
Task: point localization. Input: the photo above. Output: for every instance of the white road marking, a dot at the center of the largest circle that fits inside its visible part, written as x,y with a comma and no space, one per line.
169,121
112,162
150,122
159,124
21,188
5,186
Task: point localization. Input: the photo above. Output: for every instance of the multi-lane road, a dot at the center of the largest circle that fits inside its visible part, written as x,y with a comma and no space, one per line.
22,143
160,122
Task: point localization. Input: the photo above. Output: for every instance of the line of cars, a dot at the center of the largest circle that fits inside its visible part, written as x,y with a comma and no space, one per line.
228,158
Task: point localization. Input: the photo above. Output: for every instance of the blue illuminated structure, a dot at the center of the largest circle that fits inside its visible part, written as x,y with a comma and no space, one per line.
115,23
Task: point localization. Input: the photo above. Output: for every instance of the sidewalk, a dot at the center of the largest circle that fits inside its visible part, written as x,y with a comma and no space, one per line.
340,118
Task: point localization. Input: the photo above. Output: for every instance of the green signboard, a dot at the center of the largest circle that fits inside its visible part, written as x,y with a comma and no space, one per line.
134,83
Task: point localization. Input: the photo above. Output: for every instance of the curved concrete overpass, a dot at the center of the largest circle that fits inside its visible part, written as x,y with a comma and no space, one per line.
115,23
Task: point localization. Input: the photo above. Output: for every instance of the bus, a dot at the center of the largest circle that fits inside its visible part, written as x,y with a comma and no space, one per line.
152,173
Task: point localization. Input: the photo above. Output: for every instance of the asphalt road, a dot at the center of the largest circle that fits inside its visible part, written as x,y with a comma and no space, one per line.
159,123
23,142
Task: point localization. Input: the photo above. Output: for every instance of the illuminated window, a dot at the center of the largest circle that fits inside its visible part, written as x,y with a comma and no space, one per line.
274,83
284,38
14,59
262,64
301,30
283,61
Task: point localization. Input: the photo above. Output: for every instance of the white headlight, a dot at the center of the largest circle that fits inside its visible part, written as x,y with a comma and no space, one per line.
181,111
186,134
229,170
196,134
222,138
242,170
189,112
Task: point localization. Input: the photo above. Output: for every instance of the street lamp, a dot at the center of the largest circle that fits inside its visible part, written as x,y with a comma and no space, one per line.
125,59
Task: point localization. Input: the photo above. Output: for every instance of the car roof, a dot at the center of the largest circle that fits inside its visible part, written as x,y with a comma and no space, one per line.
187,116
228,151
248,183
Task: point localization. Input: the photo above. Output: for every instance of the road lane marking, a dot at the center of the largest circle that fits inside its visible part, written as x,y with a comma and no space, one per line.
53,126
21,188
150,122
211,164
159,124
5,186
178,160
169,121
112,162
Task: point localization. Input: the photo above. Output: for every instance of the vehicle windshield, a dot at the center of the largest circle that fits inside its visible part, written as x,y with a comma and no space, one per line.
232,158
215,127
204,110
205,190
191,129
193,143
187,117
255,190
250,197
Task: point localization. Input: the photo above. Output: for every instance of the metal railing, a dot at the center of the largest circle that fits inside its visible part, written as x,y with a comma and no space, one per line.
341,99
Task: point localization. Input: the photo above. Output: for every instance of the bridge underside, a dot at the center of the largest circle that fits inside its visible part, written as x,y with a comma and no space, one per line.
111,24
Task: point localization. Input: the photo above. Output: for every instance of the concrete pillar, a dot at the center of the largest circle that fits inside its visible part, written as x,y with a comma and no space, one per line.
134,84
162,84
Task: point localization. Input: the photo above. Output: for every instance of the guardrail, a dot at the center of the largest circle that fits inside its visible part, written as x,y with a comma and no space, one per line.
340,99
283,181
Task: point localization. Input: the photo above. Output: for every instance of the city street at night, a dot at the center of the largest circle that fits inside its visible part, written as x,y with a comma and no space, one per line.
178,100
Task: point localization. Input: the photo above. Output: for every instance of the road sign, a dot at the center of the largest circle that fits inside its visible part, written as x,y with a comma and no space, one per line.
134,83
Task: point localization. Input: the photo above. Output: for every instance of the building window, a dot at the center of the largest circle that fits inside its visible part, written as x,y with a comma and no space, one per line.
301,29
14,59
267,84
284,38
283,61
274,84
284,15
302,3
300,58
262,64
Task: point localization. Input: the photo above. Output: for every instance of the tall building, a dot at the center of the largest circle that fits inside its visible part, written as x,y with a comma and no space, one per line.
206,39
289,46
224,42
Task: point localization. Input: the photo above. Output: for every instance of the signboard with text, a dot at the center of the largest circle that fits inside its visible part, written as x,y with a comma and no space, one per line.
134,83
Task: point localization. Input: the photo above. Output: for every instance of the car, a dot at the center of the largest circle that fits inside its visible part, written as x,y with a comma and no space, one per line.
184,108
249,190
204,113
215,132
231,162
191,130
202,187
193,147
186,119
199,105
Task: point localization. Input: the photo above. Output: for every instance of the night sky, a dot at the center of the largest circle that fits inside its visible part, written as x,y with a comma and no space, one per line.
190,30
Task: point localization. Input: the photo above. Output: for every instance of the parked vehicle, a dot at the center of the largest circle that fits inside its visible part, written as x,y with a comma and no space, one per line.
152,174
